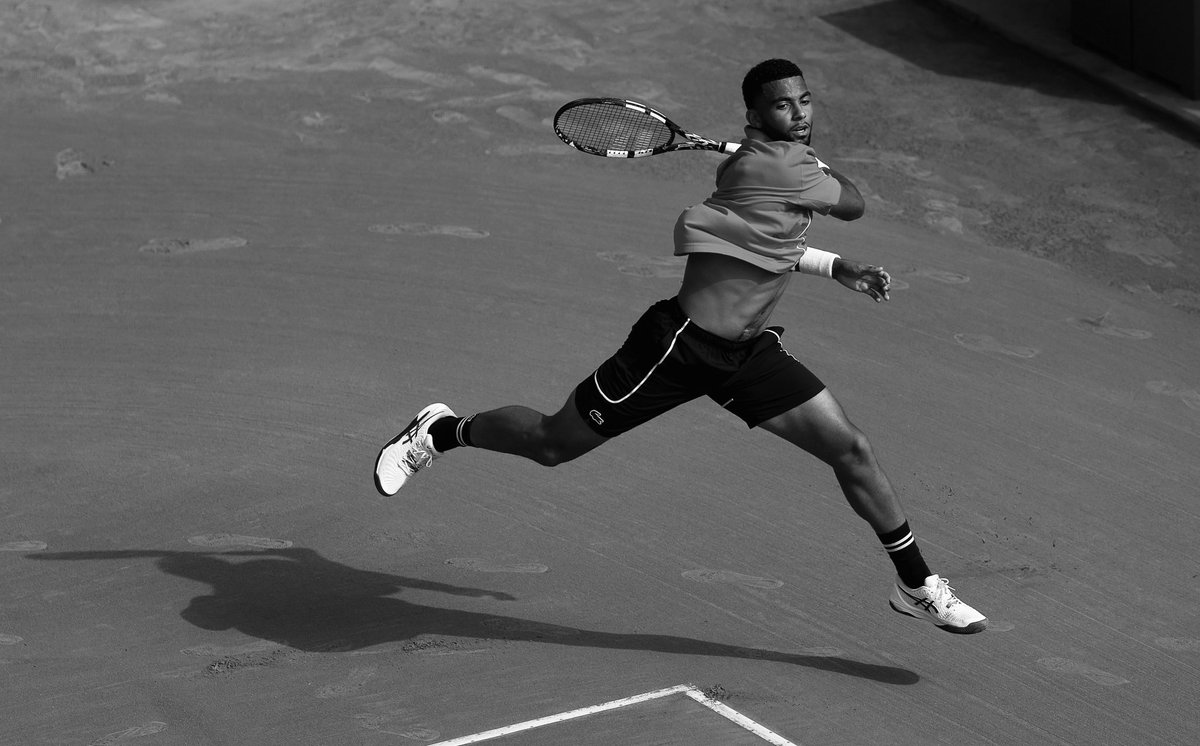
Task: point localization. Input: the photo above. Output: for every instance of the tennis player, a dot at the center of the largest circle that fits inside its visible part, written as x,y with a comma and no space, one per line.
743,245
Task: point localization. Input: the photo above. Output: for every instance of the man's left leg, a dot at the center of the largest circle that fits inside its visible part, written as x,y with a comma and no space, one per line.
820,427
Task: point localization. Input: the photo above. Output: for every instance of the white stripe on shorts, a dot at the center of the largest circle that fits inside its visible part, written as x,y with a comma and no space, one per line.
642,382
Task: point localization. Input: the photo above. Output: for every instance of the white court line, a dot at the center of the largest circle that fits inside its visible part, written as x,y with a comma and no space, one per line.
687,689
759,730
530,724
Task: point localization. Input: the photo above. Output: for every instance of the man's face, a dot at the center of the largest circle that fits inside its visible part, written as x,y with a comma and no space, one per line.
783,110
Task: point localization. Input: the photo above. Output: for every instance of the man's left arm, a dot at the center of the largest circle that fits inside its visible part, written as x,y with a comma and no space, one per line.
862,278
850,205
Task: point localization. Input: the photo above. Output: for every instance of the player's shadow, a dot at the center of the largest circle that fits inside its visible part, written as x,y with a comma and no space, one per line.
296,597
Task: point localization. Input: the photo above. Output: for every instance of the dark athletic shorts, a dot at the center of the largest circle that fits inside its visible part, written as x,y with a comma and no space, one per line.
667,360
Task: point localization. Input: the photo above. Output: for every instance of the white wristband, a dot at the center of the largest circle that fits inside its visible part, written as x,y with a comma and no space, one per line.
816,262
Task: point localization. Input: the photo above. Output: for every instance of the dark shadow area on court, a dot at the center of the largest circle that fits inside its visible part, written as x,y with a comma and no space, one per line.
944,43
296,597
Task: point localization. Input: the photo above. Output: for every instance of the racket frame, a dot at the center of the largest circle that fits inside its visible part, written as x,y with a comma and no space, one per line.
688,141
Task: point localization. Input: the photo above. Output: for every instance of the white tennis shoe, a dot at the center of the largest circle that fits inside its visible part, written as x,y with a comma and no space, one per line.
408,452
936,602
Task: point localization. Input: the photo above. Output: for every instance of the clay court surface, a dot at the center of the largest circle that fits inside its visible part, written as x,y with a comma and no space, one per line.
241,244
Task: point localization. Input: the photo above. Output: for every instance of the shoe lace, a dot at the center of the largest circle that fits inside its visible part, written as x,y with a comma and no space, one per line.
943,595
417,457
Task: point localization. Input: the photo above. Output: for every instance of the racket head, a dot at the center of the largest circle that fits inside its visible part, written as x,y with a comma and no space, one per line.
620,128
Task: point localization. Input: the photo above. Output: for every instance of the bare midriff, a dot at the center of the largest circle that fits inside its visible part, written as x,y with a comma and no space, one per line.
728,297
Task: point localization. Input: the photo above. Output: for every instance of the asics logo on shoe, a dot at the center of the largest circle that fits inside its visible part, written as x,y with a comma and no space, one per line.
418,424
926,604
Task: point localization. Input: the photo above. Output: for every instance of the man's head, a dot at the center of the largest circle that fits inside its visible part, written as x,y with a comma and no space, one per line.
778,101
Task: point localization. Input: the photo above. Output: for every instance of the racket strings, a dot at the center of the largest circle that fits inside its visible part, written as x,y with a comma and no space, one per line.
609,127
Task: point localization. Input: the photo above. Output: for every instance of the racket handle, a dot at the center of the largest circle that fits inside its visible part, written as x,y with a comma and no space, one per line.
729,147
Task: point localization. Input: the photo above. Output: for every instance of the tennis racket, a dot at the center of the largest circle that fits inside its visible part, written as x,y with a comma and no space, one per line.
616,128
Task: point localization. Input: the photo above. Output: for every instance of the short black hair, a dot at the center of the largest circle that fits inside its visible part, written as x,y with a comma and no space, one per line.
763,73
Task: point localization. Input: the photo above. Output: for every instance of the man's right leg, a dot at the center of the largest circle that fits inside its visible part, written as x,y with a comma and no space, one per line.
547,439
640,385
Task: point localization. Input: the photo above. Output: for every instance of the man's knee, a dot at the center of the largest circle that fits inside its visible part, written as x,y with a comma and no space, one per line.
553,454
855,451
562,438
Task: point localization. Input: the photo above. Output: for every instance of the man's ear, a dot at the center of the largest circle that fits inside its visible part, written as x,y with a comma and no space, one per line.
753,118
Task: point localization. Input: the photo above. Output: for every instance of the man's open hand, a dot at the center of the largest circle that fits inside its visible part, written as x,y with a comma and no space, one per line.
863,278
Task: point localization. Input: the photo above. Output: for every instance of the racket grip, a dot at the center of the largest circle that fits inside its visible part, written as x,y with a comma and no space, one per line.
729,147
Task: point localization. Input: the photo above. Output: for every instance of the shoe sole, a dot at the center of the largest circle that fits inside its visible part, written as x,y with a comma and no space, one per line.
379,459
970,629
414,424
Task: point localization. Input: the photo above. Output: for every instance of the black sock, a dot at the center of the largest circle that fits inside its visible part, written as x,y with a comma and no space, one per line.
902,548
451,432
